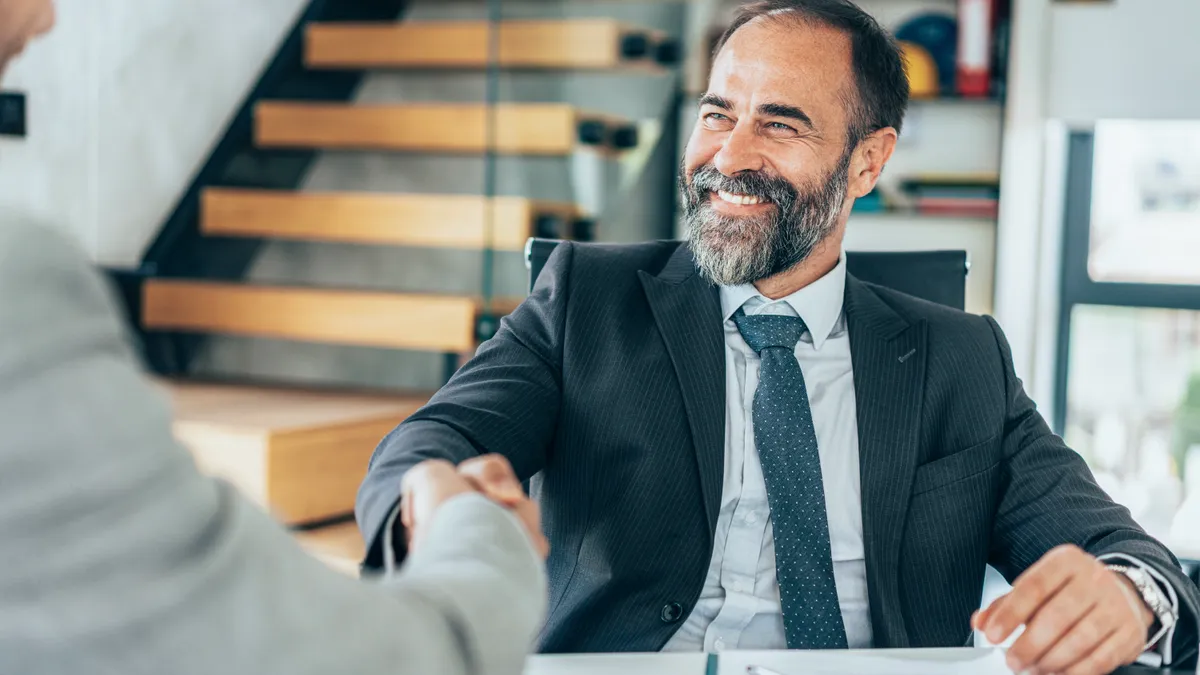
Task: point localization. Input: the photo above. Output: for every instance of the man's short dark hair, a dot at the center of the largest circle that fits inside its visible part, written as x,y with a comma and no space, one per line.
882,82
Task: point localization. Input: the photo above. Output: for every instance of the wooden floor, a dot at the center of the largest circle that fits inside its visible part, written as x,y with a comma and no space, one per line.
339,546
300,454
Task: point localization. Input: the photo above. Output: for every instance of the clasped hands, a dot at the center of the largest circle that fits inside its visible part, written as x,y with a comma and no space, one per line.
432,483
1080,617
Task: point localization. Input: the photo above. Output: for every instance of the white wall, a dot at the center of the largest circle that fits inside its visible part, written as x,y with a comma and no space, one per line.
114,136
901,232
1019,251
1125,59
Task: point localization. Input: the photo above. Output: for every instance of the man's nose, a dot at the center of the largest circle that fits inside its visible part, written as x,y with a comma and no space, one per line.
738,153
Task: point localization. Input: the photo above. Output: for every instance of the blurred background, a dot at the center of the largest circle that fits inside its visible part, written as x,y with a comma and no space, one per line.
314,210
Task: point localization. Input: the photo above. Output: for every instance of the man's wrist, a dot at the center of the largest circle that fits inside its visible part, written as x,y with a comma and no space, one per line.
1148,616
1154,607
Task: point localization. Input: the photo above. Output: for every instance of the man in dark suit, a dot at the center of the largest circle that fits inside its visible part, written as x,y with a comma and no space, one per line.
738,445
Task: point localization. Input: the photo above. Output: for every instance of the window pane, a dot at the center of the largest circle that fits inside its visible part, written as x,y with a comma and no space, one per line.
1133,412
1146,202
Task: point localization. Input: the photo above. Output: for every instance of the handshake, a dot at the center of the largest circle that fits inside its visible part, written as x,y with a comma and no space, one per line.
433,483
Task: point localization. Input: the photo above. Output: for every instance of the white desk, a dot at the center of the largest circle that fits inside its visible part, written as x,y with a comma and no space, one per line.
869,662
619,664
969,661
966,661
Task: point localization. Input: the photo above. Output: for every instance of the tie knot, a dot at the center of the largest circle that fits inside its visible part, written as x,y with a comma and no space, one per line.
764,331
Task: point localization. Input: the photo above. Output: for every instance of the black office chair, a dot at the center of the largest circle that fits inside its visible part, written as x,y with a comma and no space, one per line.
1192,568
936,276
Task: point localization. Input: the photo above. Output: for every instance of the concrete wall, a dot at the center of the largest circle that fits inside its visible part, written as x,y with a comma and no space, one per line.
114,137
631,197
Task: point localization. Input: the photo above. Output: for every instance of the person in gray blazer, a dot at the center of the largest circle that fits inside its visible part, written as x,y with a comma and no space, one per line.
117,556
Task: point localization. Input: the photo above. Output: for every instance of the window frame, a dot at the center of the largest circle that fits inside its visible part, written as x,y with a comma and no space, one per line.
1076,287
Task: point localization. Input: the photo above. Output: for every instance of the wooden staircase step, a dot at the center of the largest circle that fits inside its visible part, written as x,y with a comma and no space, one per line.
359,318
339,546
446,221
546,44
523,129
299,454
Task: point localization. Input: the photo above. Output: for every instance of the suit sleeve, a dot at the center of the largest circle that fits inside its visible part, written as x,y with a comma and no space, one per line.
504,401
118,556
1051,498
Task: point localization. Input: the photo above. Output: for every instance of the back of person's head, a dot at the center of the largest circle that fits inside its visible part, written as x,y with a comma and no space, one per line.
20,22
882,82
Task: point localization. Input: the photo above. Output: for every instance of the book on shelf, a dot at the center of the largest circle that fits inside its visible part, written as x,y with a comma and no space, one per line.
956,206
965,195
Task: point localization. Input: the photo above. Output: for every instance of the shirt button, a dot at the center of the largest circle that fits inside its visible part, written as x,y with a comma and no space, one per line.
719,644
741,586
752,517
671,612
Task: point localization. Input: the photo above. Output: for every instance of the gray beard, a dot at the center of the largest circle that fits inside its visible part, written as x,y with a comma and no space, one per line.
733,250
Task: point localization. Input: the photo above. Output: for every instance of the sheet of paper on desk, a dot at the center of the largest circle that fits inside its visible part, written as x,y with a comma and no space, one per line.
874,662
618,664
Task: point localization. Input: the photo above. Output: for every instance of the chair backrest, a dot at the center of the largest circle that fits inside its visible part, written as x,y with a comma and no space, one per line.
936,276
1192,568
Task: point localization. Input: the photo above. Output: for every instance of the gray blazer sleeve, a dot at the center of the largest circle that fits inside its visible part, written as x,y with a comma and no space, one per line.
117,556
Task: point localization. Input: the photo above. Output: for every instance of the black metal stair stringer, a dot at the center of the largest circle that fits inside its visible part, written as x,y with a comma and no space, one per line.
179,249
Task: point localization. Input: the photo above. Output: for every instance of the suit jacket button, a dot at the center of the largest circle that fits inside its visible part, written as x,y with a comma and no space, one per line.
672,612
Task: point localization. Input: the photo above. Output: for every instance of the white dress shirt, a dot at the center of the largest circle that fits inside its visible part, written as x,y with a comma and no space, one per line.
739,605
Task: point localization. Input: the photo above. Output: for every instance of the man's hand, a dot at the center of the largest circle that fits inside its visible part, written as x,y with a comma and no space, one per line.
1080,617
425,488
494,477
430,484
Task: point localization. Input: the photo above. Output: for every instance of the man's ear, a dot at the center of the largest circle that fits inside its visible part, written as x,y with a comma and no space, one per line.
869,158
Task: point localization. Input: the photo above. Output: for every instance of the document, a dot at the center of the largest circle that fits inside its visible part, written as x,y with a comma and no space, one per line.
869,662
619,664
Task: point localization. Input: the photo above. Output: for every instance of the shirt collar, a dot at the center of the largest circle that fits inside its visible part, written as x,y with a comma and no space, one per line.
819,303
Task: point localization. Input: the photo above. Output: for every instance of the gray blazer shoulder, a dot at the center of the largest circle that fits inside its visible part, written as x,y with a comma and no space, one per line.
117,556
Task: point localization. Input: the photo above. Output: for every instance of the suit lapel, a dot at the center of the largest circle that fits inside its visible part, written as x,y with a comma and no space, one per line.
687,310
888,354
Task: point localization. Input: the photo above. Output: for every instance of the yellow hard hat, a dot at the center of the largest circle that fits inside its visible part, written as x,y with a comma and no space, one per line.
922,71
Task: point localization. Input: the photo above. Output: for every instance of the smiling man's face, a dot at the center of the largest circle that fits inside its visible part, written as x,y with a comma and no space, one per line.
20,22
766,170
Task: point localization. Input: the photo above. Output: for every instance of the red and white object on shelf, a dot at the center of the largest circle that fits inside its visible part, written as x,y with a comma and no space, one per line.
975,34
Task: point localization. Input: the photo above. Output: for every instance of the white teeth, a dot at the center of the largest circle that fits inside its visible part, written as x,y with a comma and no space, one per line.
743,200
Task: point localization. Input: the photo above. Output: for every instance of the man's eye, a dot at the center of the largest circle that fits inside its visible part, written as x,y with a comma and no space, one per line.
715,121
780,126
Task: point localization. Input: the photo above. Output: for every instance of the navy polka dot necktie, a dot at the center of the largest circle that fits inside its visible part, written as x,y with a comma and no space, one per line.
787,448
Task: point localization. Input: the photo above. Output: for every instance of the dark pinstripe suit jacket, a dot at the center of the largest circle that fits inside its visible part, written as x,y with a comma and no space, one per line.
607,387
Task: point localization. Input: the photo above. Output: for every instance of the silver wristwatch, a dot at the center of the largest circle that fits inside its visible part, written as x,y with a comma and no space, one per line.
1151,594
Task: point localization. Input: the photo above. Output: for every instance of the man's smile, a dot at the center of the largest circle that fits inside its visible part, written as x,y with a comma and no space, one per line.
739,204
